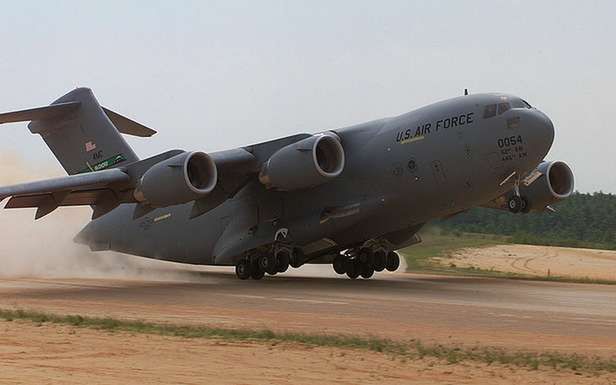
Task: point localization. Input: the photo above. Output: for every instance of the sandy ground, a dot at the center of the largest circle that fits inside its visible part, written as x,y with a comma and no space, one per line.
51,354
540,261
523,315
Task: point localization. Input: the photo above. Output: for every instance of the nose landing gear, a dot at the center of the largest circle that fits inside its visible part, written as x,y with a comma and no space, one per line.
517,203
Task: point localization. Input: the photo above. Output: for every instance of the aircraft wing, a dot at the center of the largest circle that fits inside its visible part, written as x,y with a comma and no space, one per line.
94,188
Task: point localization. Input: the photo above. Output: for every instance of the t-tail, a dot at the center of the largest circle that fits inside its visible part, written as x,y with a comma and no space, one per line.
83,135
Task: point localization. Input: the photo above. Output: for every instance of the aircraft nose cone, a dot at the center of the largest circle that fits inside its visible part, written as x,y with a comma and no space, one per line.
543,129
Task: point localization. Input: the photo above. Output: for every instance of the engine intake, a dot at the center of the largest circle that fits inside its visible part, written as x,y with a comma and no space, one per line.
304,164
554,181
180,179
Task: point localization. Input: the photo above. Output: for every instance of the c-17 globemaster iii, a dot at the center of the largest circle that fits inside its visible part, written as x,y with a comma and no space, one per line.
350,196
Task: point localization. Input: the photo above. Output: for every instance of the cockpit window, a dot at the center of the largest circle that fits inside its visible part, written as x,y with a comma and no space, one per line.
489,111
502,107
519,103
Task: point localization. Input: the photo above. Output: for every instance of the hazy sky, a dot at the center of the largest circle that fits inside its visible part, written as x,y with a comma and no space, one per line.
219,74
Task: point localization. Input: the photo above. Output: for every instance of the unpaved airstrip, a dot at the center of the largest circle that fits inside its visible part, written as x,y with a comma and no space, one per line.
510,314
539,261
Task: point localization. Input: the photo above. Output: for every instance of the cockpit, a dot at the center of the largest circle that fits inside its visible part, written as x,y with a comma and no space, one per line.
506,104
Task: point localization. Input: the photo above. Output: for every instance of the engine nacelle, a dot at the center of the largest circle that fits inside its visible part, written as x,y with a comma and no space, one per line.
180,179
549,183
304,164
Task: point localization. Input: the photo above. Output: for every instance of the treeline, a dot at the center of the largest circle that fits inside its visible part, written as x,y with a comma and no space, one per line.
582,220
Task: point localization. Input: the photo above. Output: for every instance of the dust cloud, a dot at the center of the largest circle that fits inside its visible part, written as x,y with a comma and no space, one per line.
45,248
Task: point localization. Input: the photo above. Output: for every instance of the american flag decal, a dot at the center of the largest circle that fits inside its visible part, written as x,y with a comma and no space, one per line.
90,146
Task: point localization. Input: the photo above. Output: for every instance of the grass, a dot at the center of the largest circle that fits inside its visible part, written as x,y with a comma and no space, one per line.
413,349
436,244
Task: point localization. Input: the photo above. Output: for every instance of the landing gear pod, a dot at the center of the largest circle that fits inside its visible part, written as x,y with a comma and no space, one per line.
180,179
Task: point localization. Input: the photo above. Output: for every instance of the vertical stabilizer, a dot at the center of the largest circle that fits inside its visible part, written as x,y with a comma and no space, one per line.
80,133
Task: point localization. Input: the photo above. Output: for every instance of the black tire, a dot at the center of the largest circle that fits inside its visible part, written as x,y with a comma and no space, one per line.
365,256
268,264
255,270
339,265
393,261
366,271
242,269
379,260
283,261
524,205
352,269
297,258
514,204
257,274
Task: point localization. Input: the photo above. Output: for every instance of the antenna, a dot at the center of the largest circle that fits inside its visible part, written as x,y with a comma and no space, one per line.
465,91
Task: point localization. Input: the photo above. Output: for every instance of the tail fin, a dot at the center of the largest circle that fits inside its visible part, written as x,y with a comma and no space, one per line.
81,133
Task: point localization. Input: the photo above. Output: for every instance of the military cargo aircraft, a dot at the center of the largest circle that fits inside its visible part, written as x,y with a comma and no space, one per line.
349,197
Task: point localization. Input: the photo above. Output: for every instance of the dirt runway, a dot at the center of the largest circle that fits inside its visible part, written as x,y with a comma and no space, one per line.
539,261
496,312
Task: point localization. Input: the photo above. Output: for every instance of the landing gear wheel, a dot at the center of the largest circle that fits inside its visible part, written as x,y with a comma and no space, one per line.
339,265
256,273
242,269
365,256
514,204
283,261
366,271
255,270
524,206
393,261
352,269
268,264
379,259
297,258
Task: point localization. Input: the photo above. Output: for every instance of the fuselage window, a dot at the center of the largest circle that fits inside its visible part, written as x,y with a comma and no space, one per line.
489,111
502,107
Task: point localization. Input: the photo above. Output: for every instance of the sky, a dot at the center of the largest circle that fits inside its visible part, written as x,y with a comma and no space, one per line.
212,75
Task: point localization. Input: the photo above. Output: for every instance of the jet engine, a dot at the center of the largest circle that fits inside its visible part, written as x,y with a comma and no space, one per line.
179,179
549,183
304,164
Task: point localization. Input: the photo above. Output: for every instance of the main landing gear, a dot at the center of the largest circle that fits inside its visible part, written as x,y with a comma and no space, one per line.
364,262
277,261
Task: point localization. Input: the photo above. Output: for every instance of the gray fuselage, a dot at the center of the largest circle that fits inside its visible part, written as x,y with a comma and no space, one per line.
400,173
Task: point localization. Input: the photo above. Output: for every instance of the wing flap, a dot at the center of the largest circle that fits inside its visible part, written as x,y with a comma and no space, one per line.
95,189
74,198
92,180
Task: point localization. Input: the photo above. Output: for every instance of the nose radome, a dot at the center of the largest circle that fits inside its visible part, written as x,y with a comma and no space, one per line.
542,131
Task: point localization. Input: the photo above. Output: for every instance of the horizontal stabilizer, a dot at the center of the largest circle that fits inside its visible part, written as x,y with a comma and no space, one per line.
128,126
53,111
59,111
